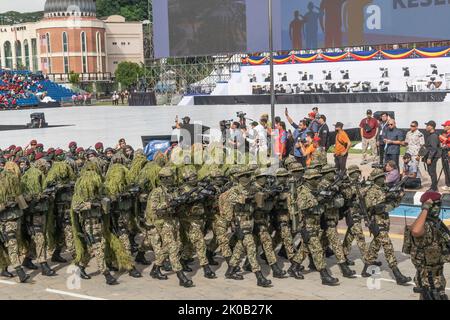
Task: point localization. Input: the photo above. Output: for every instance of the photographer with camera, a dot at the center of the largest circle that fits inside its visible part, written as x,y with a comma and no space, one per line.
427,241
300,134
445,141
412,171
309,146
369,130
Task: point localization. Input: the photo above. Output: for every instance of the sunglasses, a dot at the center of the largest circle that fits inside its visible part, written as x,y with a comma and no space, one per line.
413,126
391,125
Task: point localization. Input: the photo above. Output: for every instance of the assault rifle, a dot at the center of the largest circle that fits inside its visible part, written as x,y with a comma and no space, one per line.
397,189
371,224
332,189
294,217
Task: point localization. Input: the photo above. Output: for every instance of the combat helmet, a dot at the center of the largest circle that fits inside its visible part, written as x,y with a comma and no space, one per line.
189,173
281,172
296,167
216,173
352,169
315,164
376,173
165,172
289,162
327,169
234,170
261,172
243,171
311,174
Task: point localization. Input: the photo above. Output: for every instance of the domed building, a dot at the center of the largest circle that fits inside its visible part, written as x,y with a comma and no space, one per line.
70,37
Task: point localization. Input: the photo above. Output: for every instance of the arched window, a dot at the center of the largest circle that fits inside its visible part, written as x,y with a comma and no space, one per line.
65,52
26,47
8,55
18,48
99,52
84,61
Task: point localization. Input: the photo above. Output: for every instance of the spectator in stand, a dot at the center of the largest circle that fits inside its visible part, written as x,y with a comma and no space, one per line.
342,147
393,139
414,140
323,133
299,135
392,174
433,154
381,133
369,130
445,142
313,122
262,130
412,171
309,147
281,141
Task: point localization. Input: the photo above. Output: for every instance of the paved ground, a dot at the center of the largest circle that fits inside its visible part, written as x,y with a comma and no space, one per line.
58,288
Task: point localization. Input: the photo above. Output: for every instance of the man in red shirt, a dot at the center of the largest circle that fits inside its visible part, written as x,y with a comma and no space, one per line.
369,130
445,141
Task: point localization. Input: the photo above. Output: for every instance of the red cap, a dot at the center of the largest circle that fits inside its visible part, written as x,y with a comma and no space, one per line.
72,144
17,149
98,145
12,147
316,139
29,152
430,195
39,145
58,152
33,142
39,155
50,150
80,149
446,124
312,114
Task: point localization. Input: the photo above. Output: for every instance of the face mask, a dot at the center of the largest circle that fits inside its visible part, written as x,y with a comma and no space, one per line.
329,176
313,183
435,210
244,180
297,175
261,181
167,181
281,180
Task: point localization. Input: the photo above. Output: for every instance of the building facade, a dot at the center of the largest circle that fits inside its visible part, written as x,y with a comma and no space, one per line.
71,38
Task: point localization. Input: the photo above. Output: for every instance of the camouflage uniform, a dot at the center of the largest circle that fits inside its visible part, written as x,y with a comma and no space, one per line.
331,213
353,215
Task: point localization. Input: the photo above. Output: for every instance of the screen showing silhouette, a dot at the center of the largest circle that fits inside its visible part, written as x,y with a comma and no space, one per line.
207,27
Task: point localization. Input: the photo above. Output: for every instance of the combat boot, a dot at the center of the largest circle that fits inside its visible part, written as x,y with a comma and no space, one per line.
277,272
184,281
329,252
209,274
56,256
294,271
282,253
346,271
185,266
28,263
261,280
110,280
232,274
157,274
399,277
140,258
311,266
83,274
134,273
377,263
167,266
349,262
23,277
111,267
247,267
364,272
327,279
46,270
210,257
5,273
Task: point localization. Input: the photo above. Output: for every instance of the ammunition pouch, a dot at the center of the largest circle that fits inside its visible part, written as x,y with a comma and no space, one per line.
239,234
11,214
374,228
349,219
338,202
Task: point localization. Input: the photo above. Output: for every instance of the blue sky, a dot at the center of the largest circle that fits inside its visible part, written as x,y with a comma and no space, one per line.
21,5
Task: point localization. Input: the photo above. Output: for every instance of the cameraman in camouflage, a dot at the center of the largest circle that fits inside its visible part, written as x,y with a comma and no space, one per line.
379,206
162,205
242,203
332,200
427,240
311,210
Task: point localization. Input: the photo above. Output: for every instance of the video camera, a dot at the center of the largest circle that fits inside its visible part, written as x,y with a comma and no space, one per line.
241,114
377,166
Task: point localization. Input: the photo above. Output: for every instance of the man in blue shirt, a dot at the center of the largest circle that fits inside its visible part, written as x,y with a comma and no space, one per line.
300,132
393,139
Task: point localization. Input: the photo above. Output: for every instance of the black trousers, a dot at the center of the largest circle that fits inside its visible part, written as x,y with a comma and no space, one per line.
381,153
432,171
341,164
446,166
394,157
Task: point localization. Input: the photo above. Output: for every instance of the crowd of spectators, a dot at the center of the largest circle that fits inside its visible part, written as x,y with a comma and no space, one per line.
79,99
18,85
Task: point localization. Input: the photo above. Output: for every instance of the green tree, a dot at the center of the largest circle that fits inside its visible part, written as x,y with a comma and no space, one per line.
74,78
128,73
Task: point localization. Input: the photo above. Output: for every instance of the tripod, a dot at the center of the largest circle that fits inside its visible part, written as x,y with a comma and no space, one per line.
445,166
